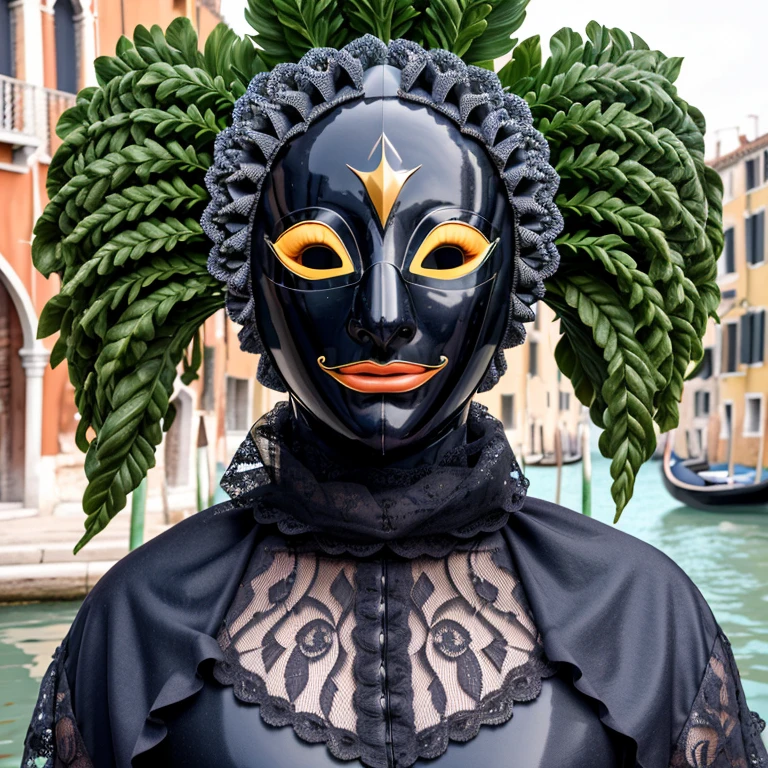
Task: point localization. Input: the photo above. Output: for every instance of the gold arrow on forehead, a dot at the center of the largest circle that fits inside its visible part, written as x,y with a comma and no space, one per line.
383,184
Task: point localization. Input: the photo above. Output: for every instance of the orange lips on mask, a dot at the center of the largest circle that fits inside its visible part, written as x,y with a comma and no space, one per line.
382,378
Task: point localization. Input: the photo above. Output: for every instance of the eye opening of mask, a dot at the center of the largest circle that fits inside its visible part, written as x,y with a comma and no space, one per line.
312,250
451,250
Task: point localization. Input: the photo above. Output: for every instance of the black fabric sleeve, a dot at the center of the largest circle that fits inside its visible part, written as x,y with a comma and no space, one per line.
721,732
53,734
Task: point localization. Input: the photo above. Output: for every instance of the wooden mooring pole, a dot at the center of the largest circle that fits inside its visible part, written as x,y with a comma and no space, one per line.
586,470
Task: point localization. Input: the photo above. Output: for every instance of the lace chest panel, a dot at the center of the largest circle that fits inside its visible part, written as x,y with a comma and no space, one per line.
385,660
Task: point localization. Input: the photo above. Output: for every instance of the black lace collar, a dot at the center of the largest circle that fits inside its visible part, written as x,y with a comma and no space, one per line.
307,490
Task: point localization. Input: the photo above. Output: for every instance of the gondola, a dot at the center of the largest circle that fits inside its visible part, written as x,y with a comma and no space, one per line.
683,481
550,459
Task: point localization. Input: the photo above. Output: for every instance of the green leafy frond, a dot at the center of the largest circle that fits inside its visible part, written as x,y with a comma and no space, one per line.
287,29
642,220
121,229
505,18
387,19
643,216
478,30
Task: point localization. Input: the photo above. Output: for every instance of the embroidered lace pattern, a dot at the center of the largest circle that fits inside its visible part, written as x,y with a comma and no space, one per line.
721,732
348,651
305,488
53,739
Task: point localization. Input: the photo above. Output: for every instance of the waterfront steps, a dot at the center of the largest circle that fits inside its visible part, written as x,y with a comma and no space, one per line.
36,560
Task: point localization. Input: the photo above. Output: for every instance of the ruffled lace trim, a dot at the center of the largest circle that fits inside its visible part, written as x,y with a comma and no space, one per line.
521,685
278,712
360,511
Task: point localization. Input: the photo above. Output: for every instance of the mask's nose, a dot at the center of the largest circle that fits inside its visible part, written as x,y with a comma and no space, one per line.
382,314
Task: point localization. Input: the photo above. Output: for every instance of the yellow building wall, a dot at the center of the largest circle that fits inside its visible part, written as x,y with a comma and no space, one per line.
536,397
750,283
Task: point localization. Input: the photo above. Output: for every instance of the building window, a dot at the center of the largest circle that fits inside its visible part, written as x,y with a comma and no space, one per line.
730,347
705,371
700,434
755,226
565,401
701,403
533,358
752,346
6,39
753,415
728,260
238,405
66,46
752,173
508,411
765,166
178,441
726,425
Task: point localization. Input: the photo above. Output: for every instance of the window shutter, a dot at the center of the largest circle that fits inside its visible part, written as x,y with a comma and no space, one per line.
733,352
508,411
65,35
759,238
758,336
706,365
749,227
751,180
533,358
729,252
746,338
6,40
765,165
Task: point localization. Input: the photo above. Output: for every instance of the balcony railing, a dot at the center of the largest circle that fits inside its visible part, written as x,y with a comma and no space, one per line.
29,113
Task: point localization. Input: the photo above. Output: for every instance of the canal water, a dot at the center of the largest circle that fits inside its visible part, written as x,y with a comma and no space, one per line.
725,555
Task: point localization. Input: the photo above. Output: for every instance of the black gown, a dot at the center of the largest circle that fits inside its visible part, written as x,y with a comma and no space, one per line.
560,728
181,656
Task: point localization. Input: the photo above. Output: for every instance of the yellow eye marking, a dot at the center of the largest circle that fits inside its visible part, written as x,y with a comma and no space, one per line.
296,240
383,184
471,242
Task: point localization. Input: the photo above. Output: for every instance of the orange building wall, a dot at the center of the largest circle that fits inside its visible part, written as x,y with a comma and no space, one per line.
49,48
121,17
241,365
16,217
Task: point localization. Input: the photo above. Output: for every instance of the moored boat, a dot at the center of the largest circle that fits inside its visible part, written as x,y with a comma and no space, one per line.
698,484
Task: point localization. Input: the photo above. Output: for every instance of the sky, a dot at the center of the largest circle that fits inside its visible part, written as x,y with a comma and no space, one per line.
724,43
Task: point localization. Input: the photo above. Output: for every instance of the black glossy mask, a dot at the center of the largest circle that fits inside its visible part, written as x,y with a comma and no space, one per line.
383,237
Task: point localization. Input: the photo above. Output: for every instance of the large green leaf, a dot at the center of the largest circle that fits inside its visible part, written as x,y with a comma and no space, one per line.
121,229
287,29
505,18
642,232
386,19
